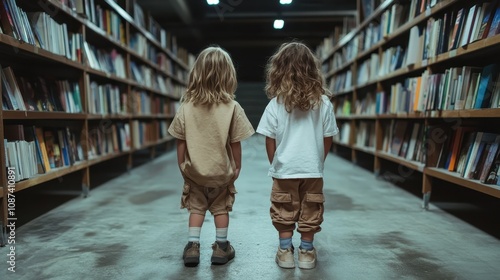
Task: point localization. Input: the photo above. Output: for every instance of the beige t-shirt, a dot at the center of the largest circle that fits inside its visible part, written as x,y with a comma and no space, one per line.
208,131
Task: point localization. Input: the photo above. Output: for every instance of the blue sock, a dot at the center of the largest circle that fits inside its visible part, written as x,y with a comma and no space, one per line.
285,243
306,245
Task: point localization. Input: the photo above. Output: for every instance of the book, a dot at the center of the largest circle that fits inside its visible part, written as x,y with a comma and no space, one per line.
485,86
489,10
495,24
457,29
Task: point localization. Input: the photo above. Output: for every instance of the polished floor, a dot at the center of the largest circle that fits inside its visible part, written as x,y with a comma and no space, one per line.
132,228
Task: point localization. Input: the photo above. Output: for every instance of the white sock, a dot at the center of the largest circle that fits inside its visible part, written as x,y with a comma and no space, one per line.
194,234
221,234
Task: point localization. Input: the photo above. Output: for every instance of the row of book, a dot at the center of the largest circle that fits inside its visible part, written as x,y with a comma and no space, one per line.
109,139
342,106
366,105
452,30
39,29
441,34
375,67
405,139
471,153
111,62
365,134
35,150
145,104
149,132
341,82
344,134
28,93
456,89
107,99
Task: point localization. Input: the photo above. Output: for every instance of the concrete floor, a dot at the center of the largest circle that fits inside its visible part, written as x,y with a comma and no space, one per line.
132,228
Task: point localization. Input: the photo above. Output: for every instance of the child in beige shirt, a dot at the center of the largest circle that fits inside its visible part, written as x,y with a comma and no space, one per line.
209,126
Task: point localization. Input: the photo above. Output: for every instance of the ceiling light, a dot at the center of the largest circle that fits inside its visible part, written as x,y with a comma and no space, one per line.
215,2
279,23
285,2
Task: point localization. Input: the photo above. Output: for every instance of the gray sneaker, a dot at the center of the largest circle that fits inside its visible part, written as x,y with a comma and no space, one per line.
284,258
191,254
220,256
307,259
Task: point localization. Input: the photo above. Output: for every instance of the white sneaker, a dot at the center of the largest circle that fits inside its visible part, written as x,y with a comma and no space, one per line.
307,259
284,258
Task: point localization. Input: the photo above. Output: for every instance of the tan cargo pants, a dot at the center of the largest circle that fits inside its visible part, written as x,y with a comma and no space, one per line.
297,201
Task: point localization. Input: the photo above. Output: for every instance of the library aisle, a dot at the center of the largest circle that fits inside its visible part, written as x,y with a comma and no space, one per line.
132,228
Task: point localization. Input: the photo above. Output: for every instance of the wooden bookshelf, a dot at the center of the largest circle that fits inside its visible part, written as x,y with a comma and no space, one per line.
20,55
454,178
478,53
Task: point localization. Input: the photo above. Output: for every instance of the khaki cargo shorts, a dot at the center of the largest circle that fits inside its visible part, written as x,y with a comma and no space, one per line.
297,201
199,199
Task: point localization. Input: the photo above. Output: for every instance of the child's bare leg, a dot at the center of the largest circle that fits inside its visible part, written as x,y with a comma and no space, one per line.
308,236
221,221
196,220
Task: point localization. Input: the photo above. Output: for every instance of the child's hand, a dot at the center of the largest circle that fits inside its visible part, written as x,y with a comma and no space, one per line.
236,174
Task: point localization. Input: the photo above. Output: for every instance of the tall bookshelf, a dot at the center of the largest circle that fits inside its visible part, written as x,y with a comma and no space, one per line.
123,76
371,100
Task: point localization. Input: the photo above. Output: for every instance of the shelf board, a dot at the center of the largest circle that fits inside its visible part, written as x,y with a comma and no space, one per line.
367,150
152,116
51,175
412,115
1,194
106,75
108,116
344,92
418,166
474,113
364,117
339,69
17,45
99,159
36,115
342,144
152,144
455,178
343,118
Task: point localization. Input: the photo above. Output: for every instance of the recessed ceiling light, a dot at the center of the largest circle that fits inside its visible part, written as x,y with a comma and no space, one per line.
215,2
285,2
279,23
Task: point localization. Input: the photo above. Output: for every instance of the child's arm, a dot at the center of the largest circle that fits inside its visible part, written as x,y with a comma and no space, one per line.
328,144
271,148
181,151
236,149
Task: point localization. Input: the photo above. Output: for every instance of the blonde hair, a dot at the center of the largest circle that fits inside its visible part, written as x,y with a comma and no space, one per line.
293,75
212,79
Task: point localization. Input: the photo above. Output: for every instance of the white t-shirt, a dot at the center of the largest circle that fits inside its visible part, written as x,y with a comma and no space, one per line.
299,138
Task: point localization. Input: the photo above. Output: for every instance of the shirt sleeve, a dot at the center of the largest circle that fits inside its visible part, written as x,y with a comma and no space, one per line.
268,124
177,128
329,122
241,128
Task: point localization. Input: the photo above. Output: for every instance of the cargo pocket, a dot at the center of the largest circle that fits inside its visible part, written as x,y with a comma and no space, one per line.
312,208
231,196
281,207
185,196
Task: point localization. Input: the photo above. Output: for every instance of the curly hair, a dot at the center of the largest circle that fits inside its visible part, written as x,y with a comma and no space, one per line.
212,79
293,75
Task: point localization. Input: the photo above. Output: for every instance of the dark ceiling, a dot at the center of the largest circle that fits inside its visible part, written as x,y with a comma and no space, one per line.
245,27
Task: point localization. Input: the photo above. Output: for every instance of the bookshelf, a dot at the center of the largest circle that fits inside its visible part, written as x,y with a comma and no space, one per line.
403,49
93,81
